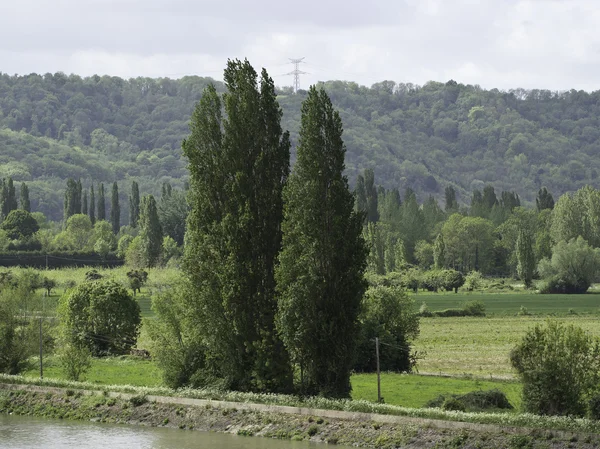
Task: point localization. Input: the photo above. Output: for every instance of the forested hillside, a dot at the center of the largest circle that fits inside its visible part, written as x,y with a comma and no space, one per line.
105,128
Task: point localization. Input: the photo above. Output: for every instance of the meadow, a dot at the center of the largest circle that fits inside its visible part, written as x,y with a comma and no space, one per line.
457,355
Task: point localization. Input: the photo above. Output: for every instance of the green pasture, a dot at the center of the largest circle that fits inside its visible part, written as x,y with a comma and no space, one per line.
107,371
507,304
479,346
411,390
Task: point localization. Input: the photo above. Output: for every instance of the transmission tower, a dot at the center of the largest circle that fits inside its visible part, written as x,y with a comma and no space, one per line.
296,72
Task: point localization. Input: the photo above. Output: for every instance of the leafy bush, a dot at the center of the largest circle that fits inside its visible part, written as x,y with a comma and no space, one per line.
572,269
92,275
102,316
388,313
475,400
474,308
137,278
453,404
559,367
474,281
594,407
75,361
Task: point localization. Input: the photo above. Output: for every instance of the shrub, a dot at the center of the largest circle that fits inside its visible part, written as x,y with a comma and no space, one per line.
48,285
475,400
137,278
474,308
559,367
594,407
92,275
388,313
102,316
17,334
572,269
454,404
474,281
75,361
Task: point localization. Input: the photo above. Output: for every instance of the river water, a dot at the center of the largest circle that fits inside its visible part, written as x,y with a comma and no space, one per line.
24,432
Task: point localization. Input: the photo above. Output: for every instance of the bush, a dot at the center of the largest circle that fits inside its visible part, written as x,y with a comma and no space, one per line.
594,407
17,334
474,308
137,278
478,400
559,367
102,316
572,269
75,361
474,281
388,313
454,404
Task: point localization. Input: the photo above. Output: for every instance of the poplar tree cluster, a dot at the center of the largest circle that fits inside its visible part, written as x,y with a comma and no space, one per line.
274,265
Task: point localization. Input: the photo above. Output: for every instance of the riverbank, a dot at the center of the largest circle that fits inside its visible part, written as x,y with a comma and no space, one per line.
293,423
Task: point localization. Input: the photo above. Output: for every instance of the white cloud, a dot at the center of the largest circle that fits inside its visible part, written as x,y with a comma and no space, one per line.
497,43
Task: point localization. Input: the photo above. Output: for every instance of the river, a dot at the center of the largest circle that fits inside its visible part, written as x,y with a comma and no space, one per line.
24,432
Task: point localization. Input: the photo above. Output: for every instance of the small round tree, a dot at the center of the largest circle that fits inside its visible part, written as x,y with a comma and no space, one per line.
20,224
102,316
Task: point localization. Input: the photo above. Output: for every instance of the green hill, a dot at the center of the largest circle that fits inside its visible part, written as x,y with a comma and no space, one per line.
106,128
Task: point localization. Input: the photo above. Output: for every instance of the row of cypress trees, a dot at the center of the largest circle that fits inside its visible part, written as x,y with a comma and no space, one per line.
275,259
8,197
76,202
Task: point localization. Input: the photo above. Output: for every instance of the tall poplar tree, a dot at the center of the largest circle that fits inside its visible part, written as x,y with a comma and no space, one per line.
238,166
525,258
92,207
134,205
84,203
320,276
150,231
25,203
371,195
101,215
11,198
115,209
439,252
72,203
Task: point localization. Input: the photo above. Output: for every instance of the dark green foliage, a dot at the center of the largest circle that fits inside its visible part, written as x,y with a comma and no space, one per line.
559,366
451,204
92,275
115,209
371,196
8,197
525,258
92,208
474,401
180,351
49,285
84,203
439,253
137,278
594,407
101,214
102,316
387,313
320,275
237,170
24,198
19,225
134,205
173,211
361,195
544,200
150,231
17,331
572,269
72,204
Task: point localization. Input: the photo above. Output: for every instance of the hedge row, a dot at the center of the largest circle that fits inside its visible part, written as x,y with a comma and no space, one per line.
58,260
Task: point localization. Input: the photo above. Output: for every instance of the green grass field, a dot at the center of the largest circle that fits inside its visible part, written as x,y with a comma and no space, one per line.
479,346
509,304
410,390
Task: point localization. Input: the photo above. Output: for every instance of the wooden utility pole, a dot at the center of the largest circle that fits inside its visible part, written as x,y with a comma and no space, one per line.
378,377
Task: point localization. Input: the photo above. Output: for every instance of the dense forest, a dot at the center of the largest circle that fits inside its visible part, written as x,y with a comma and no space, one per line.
102,129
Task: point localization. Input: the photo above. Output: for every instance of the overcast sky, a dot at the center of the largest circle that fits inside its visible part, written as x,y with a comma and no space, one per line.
551,44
